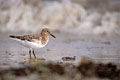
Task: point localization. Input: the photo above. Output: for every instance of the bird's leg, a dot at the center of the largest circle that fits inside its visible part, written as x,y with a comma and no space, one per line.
34,54
30,53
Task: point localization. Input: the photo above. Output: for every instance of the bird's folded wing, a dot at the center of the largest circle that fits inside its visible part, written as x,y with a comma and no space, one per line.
30,38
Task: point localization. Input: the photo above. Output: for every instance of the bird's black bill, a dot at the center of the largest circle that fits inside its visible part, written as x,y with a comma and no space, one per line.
52,35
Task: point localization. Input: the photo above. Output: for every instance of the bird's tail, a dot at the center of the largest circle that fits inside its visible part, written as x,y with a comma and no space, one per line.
14,36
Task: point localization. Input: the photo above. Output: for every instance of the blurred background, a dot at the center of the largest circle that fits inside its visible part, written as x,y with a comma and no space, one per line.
72,16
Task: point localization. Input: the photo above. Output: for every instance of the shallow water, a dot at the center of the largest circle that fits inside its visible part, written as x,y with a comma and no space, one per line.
97,48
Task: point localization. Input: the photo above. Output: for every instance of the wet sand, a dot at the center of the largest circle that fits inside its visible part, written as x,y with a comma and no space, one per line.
96,48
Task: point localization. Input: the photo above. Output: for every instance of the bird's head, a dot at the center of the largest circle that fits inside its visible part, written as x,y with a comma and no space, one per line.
46,31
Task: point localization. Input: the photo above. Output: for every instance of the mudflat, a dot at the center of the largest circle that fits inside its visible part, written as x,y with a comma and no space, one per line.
96,48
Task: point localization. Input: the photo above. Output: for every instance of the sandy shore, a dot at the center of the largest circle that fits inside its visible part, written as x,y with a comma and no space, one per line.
97,48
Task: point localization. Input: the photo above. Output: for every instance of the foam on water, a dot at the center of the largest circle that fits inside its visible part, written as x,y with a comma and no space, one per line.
64,15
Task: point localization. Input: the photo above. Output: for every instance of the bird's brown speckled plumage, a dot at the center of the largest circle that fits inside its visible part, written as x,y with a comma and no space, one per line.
26,37
43,36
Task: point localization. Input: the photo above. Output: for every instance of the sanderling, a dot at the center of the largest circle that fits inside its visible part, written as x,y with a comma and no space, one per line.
35,41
